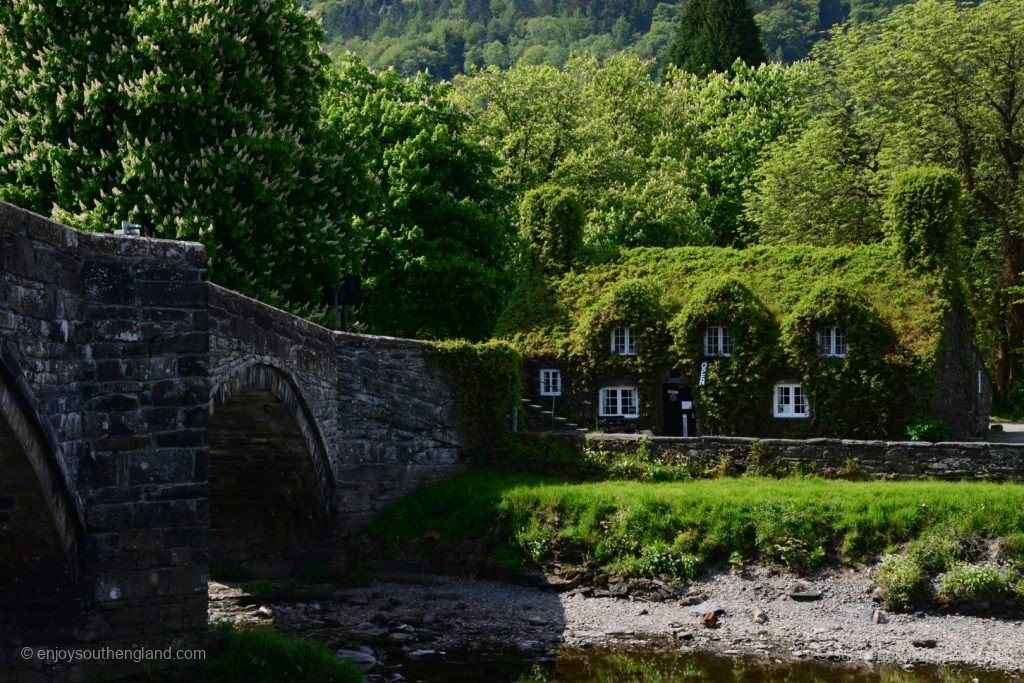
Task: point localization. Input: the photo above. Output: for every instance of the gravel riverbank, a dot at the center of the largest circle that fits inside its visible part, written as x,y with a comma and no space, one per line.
421,616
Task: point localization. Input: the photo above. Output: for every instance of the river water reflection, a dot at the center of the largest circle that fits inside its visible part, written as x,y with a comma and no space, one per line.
651,666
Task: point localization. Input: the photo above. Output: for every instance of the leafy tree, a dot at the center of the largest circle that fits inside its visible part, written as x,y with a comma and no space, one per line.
726,122
819,186
713,34
551,228
408,35
924,217
197,119
940,84
655,164
437,231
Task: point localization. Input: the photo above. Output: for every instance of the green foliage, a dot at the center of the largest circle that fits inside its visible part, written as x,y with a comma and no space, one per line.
904,584
655,163
437,233
736,562
754,291
924,218
550,228
638,305
818,186
936,552
784,534
792,522
915,90
198,120
736,397
764,460
451,38
714,34
660,560
489,383
928,429
859,394
1011,550
969,585
256,655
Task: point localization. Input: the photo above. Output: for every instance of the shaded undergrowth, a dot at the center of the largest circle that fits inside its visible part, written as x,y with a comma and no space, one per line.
258,655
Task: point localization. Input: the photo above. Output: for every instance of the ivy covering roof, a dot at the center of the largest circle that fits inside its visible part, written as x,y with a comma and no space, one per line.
542,315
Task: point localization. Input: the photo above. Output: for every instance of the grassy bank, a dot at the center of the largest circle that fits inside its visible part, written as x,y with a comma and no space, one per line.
672,530
258,655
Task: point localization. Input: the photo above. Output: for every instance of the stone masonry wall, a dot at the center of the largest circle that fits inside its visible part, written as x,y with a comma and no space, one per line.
395,423
881,459
106,338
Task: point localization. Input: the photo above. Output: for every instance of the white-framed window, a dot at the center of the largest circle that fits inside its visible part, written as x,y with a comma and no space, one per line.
717,341
790,401
550,382
832,342
618,402
623,342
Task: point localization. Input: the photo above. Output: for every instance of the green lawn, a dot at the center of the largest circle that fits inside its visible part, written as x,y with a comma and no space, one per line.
673,529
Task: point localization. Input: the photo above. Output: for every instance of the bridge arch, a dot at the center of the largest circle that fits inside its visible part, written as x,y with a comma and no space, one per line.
270,476
36,499
41,523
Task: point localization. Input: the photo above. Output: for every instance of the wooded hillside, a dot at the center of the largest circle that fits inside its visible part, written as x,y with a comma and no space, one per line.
447,37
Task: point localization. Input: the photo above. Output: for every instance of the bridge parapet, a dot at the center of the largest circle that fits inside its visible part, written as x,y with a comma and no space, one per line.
164,424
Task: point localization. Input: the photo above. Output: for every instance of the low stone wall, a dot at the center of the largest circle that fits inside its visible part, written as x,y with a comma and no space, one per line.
879,459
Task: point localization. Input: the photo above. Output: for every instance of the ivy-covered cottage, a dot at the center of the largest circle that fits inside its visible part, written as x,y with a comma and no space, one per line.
769,341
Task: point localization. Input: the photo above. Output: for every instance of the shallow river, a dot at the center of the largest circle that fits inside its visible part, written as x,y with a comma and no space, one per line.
650,666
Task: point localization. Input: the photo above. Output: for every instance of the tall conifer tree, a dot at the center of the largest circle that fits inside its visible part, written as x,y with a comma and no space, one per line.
713,34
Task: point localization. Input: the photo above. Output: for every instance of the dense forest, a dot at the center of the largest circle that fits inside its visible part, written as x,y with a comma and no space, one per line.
448,37
227,124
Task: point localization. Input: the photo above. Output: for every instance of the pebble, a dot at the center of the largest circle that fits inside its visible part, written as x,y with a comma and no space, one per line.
362,658
489,616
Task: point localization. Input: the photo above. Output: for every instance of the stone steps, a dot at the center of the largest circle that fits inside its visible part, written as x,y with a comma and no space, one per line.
542,420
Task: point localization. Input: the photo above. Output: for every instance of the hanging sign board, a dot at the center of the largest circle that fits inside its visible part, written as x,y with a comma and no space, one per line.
703,374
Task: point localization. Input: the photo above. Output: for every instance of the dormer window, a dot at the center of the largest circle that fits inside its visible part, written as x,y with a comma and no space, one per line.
717,341
832,342
791,401
623,342
550,382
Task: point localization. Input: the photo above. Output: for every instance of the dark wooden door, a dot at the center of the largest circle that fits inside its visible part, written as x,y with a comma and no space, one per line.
672,410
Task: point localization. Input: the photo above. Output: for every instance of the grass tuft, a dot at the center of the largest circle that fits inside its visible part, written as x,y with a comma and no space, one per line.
256,655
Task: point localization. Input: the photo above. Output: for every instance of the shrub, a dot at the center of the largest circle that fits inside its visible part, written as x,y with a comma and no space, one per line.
936,552
551,227
1015,396
784,534
924,217
1011,550
765,461
255,655
972,584
928,429
659,559
904,583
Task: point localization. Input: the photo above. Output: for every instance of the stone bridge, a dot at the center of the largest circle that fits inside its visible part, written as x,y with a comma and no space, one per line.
153,425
